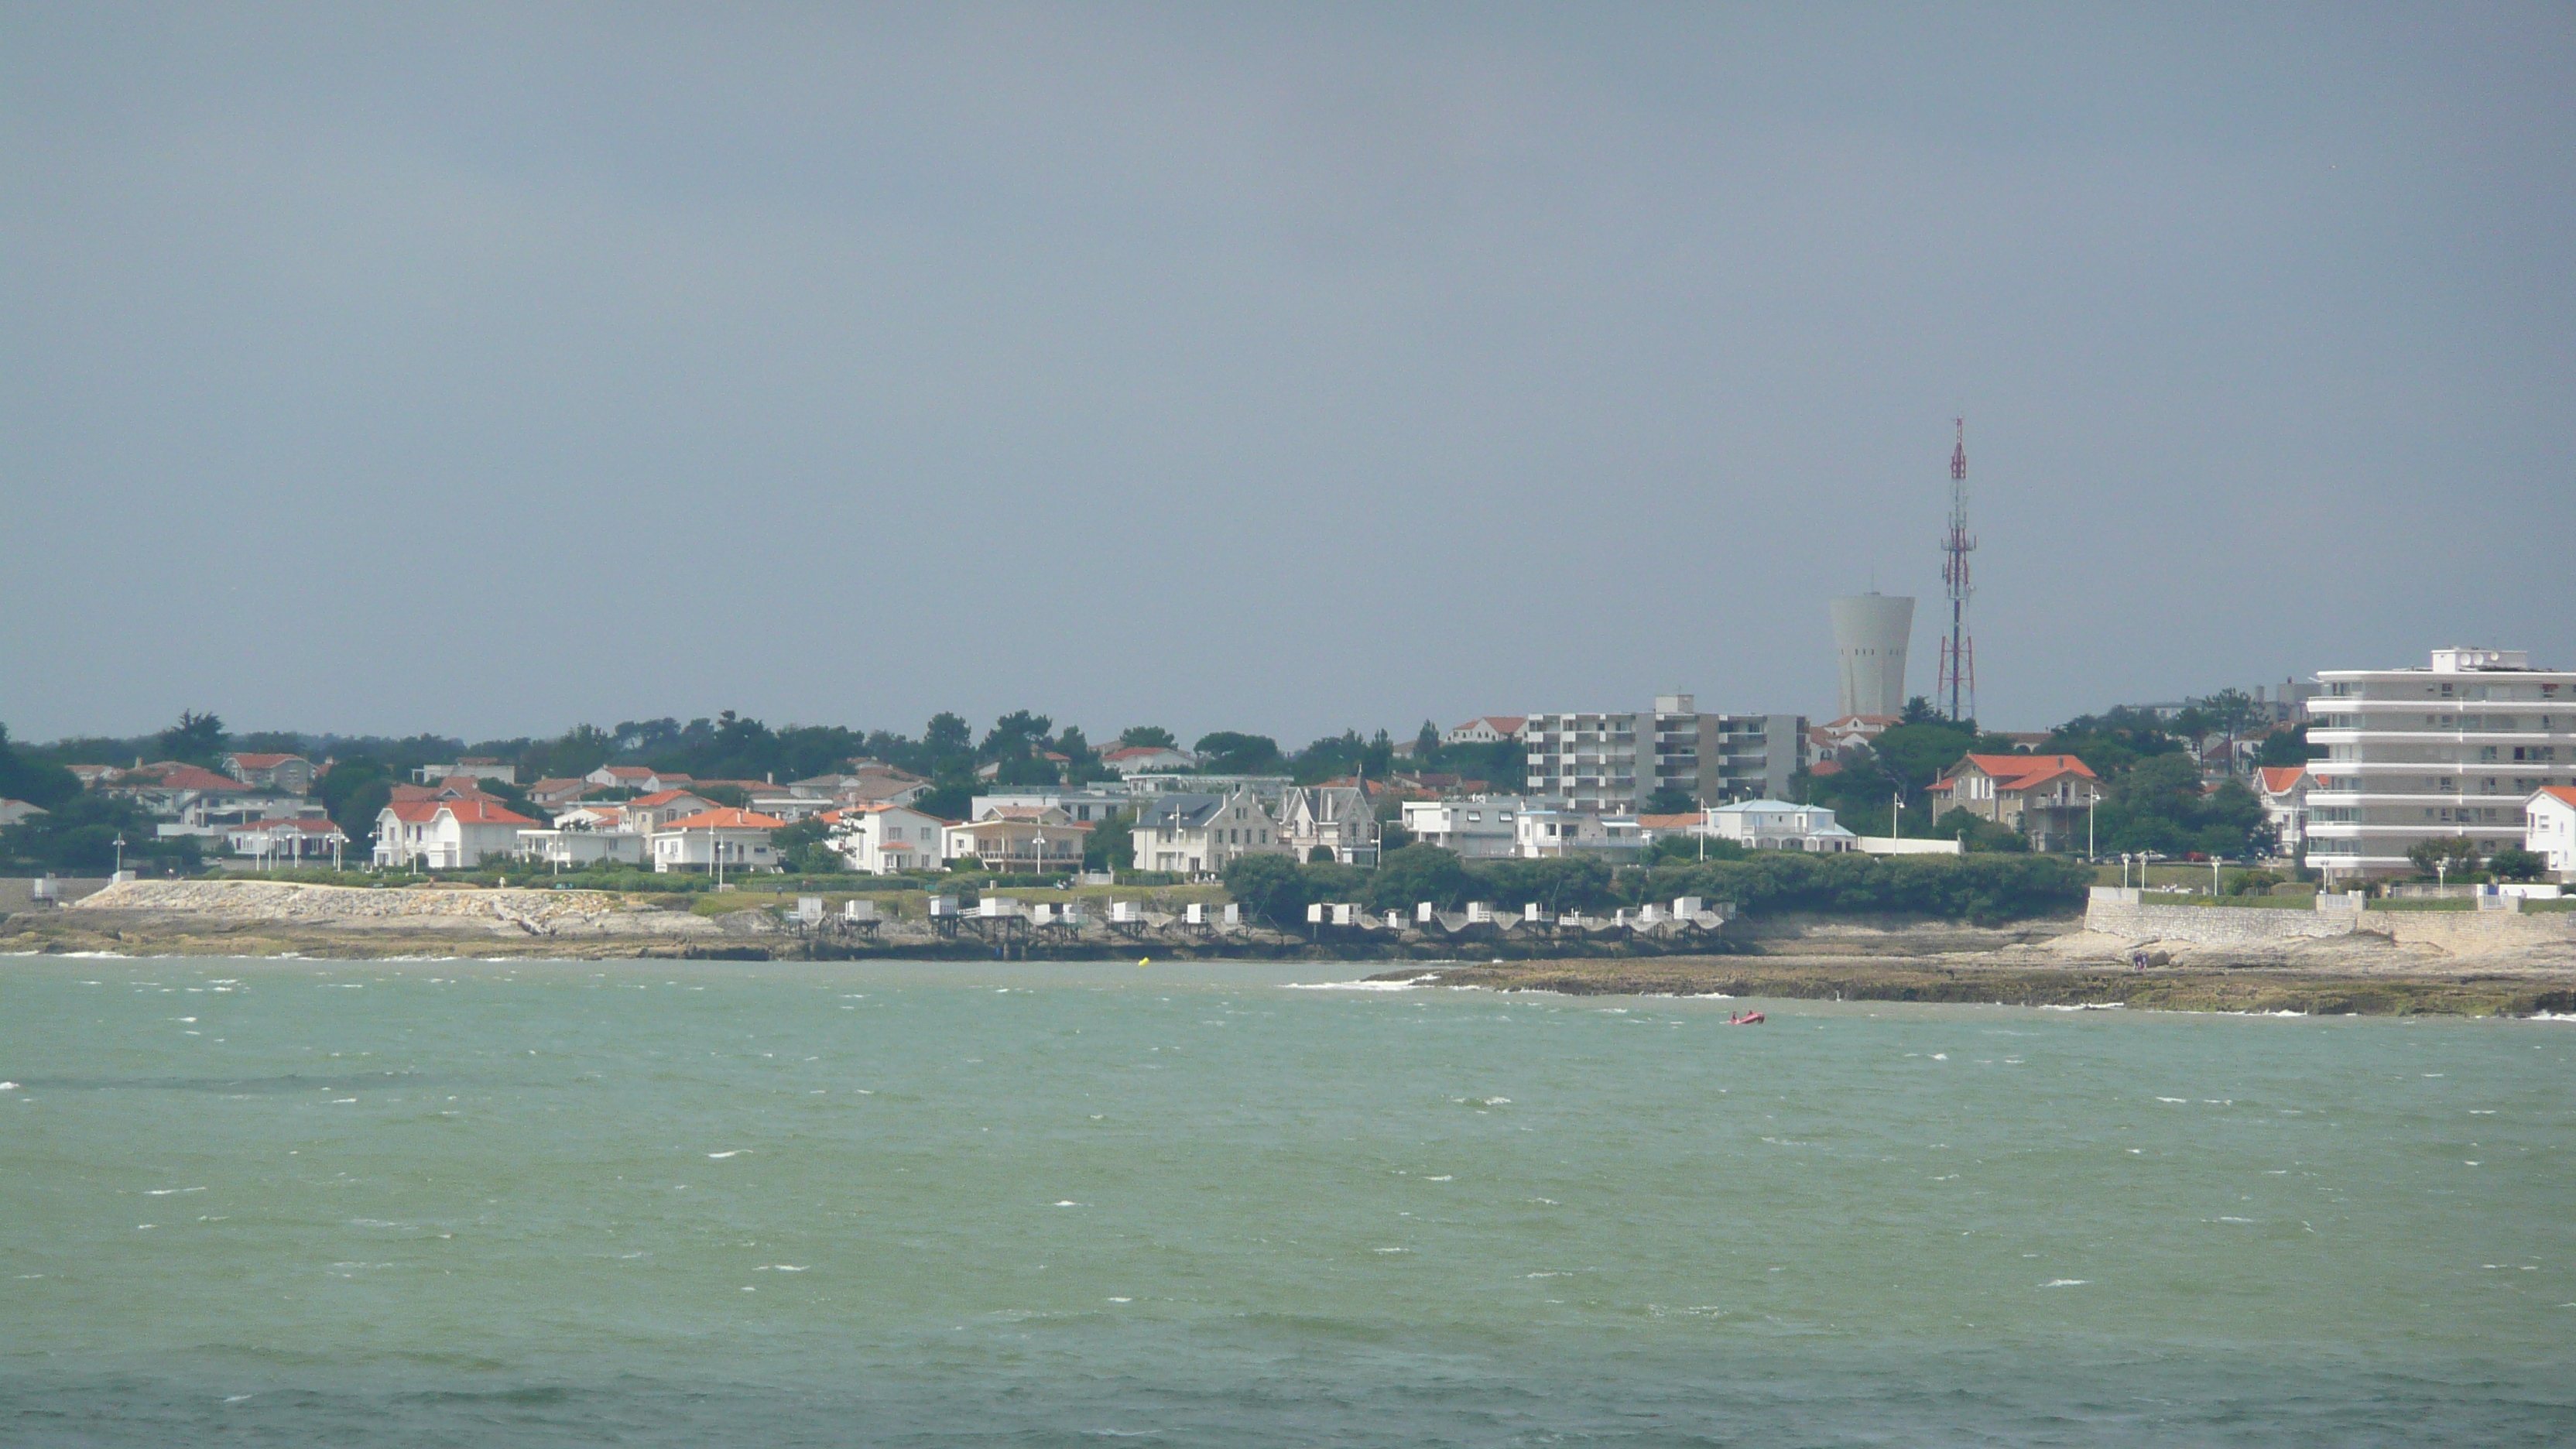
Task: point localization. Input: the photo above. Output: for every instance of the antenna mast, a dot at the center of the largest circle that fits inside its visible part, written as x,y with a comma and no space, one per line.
1958,677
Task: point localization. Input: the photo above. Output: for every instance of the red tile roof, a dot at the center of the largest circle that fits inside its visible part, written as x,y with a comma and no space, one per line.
2565,794
1683,821
261,762
2011,772
662,797
727,818
2280,779
189,777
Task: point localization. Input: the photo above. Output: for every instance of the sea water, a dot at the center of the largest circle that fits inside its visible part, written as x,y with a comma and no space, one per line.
647,1203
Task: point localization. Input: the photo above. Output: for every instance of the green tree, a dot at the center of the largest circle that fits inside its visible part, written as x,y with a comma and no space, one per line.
38,782
1668,800
1271,888
2234,713
1426,746
1976,833
1147,737
80,834
196,739
947,735
1918,710
2457,856
1419,873
2286,747
2512,862
1226,752
732,796
804,849
1111,845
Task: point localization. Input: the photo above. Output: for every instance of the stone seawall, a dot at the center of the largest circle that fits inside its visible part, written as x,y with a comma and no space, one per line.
2119,913
2214,925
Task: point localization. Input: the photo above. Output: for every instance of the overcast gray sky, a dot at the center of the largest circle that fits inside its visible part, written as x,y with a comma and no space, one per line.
1278,369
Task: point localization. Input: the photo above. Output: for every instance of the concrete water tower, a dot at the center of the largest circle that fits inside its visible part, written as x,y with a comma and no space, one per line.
1870,635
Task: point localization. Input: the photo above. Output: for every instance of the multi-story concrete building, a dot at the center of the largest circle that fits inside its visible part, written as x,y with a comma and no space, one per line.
1611,763
2454,749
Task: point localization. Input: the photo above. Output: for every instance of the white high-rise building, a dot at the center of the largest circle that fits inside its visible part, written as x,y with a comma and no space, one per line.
1871,632
2451,750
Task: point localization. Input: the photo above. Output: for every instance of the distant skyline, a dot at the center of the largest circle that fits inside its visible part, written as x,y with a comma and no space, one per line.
487,370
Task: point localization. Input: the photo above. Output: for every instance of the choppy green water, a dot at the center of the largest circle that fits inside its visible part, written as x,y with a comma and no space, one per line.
450,1203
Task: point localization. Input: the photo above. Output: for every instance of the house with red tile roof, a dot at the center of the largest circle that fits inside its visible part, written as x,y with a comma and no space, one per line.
720,839
2045,797
287,838
552,792
447,834
638,778
884,838
1485,729
2549,829
2284,792
648,813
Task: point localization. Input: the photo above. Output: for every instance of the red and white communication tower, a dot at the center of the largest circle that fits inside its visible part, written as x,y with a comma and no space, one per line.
1958,677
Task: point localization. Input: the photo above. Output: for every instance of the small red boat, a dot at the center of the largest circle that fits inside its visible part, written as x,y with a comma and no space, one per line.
1745,1018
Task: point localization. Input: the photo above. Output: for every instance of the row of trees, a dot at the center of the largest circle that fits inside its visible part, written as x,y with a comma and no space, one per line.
1979,888
2155,801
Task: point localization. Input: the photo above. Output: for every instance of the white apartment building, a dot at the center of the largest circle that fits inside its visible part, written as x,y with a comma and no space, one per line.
1486,828
2453,749
1610,763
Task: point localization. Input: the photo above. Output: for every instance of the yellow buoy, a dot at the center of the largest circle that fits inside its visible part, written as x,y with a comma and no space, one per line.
1144,960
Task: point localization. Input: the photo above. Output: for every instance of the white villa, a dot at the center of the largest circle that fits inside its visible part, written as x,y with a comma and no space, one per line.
1203,834
1544,834
446,834
2549,828
729,838
1018,840
885,839
1779,825
1487,828
1336,819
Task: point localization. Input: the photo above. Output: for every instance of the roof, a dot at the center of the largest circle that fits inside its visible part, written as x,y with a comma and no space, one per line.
662,797
2279,779
1747,807
2563,794
557,784
2013,771
1187,811
309,825
189,777
726,818
480,811
1683,821
627,772
1130,752
262,762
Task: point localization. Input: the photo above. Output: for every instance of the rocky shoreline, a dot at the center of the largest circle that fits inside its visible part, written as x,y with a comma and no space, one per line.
2047,962
1989,981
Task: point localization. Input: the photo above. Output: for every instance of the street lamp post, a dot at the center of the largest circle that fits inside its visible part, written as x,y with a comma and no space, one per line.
120,853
